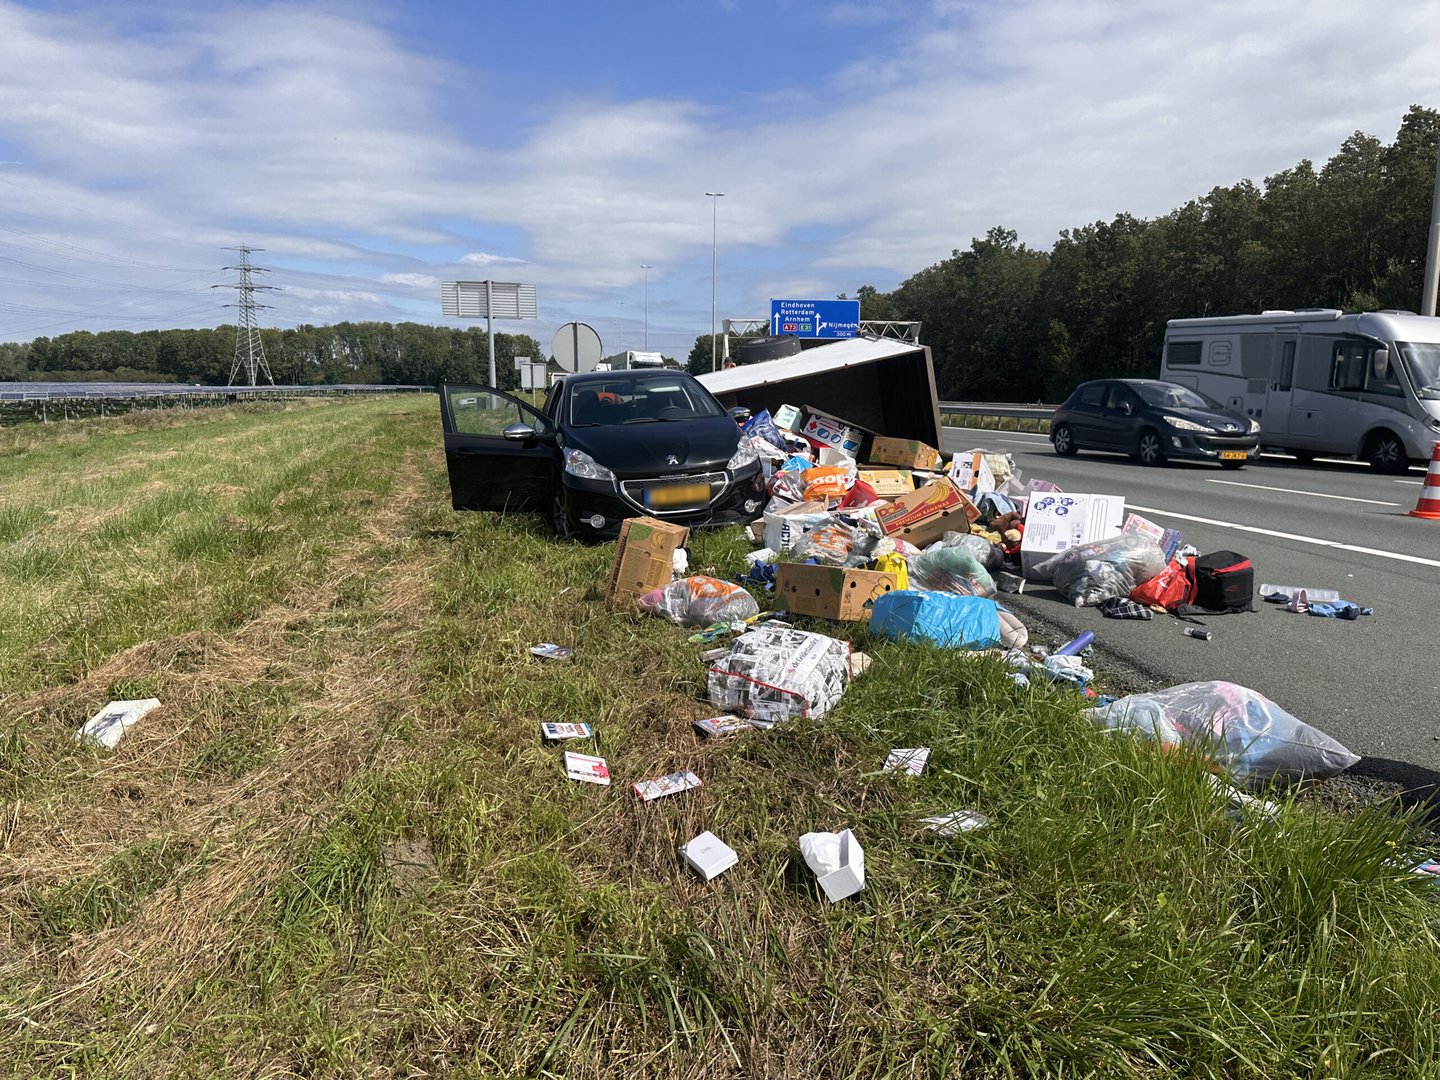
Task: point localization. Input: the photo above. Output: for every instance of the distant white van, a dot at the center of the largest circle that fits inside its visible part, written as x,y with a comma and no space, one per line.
1319,381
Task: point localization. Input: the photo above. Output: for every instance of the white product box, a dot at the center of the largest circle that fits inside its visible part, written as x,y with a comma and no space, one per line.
109,725
561,732
910,759
670,784
1058,521
838,862
708,855
592,770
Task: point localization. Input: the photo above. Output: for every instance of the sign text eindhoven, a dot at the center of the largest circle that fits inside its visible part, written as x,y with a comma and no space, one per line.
815,318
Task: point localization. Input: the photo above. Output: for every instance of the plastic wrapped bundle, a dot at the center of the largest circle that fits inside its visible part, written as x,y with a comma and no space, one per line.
951,570
1090,573
957,622
986,553
784,525
1256,741
699,601
776,672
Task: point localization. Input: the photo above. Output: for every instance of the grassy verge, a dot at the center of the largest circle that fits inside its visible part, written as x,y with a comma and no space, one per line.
340,849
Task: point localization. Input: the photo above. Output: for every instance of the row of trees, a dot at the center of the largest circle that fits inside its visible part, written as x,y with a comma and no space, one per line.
370,352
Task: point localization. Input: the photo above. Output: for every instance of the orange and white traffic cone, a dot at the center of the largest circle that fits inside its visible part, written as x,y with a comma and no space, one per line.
1429,504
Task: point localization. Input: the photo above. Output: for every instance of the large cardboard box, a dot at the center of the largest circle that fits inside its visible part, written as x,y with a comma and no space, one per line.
888,482
907,453
644,557
927,514
830,592
1057,521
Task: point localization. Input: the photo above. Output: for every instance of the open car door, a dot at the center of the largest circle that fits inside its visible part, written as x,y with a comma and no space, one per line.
500,452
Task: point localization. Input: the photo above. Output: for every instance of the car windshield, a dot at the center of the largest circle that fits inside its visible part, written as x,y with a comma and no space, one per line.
1422,361
1175,396
652,399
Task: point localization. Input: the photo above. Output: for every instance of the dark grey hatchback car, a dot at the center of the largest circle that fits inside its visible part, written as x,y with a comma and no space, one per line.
1153,421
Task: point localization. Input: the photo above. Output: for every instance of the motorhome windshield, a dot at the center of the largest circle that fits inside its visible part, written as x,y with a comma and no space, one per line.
1422,361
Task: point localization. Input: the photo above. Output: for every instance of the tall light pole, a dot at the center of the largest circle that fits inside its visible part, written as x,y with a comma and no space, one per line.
647,268
715,197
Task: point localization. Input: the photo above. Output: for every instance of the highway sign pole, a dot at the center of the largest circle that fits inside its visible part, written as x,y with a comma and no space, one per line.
1432,250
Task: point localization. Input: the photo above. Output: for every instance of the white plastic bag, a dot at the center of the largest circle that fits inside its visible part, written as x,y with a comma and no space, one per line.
1254,739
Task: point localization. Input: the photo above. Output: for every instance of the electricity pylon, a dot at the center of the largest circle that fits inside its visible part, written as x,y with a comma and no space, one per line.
249,349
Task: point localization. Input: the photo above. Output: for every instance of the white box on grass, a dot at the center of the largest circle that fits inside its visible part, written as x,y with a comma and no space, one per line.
838,862
108,726
708,855
586,767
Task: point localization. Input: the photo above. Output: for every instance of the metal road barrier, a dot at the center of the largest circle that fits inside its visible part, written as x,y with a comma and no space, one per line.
997,408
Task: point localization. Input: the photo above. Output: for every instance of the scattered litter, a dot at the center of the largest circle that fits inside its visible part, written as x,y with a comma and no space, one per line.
561,732
830,592
859,664
708,855
669,784
592,770
549,651
1427,866
945,619
958,822
908,759
1122,607
1075,646
1246,733
1198,632
711,655
1242,803
773,673
717,632
699,601
1280,594
107,727
679,562
1069,668
1056,522
722,725
837,860
644,557
1089,573
1339,609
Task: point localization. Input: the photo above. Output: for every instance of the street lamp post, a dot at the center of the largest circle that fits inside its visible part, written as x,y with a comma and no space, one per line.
715,197
647,268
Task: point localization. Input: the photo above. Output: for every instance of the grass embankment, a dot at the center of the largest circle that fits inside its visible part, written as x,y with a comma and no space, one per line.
340,849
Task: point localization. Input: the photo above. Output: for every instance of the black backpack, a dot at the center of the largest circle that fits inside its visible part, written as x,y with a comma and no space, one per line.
1220,583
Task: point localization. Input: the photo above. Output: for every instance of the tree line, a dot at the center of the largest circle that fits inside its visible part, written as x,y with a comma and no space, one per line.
365,352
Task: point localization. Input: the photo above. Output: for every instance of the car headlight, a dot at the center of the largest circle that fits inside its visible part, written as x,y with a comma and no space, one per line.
1254,427
578,463
1185,425
744,455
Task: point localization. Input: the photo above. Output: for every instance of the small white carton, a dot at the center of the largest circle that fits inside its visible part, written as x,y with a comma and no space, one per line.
592,770
910,759
553,732
670,784
838,862
708,855
958,822
109,725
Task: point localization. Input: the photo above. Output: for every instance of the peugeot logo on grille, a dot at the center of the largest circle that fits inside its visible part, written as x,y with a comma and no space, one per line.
672,459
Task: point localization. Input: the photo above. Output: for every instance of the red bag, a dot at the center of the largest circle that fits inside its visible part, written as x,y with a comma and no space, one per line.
1168,589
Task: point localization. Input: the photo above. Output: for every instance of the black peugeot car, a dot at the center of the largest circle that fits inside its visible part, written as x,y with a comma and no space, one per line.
606,445
1153,421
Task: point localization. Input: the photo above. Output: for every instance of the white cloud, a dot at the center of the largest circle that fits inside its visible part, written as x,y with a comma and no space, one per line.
411,281
480,258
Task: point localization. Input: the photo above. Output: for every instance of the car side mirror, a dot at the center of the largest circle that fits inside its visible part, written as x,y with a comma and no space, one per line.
519,433
739,414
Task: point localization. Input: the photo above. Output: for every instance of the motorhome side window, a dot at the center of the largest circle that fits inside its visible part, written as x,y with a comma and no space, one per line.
1183,352
1359,365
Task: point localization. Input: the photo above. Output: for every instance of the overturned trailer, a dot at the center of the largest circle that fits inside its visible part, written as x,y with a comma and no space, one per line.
884,386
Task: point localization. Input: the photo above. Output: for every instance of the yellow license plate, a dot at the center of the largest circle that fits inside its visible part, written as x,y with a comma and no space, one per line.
1233,455
678,495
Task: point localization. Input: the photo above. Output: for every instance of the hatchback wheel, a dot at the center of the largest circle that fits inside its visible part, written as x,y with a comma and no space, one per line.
1150,450
1063,440
559,518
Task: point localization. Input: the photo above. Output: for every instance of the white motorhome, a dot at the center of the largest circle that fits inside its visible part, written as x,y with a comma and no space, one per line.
632,359
1319,381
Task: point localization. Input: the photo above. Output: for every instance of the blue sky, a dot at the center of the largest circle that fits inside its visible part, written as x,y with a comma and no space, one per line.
376,149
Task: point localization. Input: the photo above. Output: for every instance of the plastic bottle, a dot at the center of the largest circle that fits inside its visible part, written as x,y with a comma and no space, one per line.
1072,648
1323,596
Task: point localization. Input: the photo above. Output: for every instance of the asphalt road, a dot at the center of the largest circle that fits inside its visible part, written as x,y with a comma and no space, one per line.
1373,684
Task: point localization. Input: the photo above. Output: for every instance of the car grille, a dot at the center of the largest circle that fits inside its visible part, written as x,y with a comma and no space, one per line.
633,491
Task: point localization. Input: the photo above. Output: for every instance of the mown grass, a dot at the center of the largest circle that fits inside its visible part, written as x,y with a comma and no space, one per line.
341,849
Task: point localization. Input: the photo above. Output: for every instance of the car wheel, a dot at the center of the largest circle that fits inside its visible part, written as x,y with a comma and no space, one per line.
1064,442
1386,453
558,517
1150,450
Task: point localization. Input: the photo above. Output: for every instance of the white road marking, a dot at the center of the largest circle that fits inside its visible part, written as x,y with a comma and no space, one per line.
1396,555
1417,483
1297,491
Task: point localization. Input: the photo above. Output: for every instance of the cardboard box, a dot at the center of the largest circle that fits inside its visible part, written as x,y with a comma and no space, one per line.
888,482
644,557
787,418
587,767
927,514
822,430
669,784
849,877
907,453
708,855
830,592
1056,522
108,726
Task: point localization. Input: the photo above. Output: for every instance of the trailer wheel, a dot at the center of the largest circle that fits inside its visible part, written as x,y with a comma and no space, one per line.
1386,453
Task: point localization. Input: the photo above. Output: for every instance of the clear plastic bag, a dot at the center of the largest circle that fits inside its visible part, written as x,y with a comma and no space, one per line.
987,554
1253,739
951,570
699,601
1090,573
777,672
